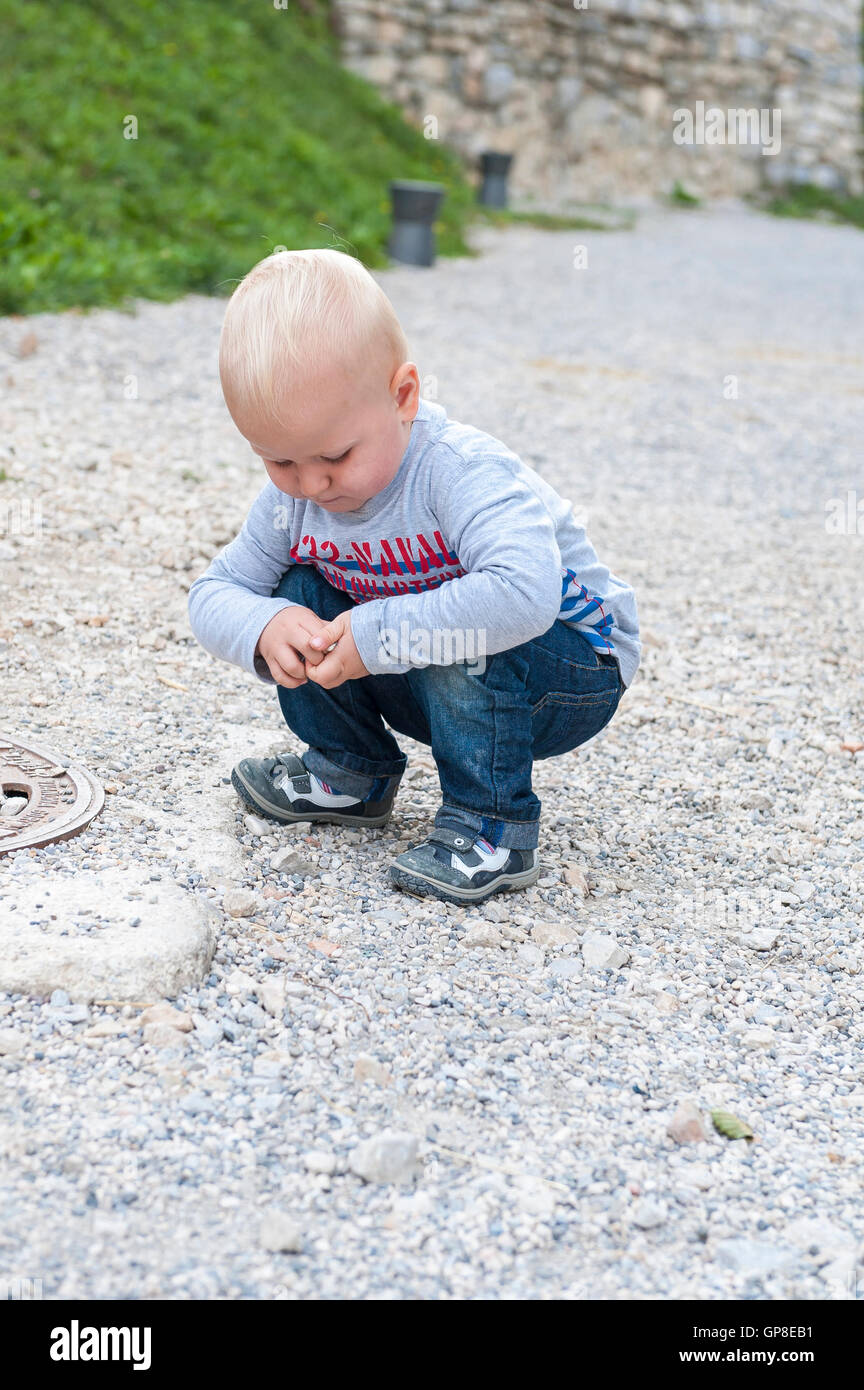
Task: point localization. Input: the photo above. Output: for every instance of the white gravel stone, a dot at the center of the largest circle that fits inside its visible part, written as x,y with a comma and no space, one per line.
256,825
288,861
483,934
272,996
553,934
370,1069
754,1258
165,1015
240,983
239,902
105,1028
687,1125
207,1032
762,939
529,954
577,880
319,1161
391,1157
647,1213
758,1037
603,952
163,1035
281,1233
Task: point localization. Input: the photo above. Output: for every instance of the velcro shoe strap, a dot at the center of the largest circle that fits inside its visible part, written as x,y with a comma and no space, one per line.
296,770
451,839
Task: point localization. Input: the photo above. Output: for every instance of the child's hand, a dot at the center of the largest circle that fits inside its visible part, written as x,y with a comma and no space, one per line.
343,663
285,641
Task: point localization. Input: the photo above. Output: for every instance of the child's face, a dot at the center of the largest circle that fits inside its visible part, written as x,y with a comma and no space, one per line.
345,440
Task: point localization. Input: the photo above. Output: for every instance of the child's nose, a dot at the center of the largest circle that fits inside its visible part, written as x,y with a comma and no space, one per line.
312,483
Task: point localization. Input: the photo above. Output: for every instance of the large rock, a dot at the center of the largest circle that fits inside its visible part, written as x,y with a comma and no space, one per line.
76,934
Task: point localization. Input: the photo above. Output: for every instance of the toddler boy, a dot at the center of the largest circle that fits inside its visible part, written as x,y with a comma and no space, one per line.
400,569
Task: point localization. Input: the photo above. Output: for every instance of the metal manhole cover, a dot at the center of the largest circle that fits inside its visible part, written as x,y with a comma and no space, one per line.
61,797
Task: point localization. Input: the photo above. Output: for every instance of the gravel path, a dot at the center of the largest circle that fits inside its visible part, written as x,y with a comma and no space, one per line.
513,1096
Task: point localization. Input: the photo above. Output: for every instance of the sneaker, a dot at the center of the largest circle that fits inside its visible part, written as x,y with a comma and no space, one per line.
283,789
463,867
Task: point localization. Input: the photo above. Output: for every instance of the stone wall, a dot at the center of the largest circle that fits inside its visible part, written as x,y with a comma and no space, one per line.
584,92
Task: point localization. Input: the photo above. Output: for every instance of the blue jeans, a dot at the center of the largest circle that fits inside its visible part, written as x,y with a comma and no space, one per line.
485,730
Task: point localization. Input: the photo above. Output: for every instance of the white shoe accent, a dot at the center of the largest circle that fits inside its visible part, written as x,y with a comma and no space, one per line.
490,859
317,795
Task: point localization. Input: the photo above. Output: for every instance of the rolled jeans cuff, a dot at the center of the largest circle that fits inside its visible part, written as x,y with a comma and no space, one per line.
508,834
359,779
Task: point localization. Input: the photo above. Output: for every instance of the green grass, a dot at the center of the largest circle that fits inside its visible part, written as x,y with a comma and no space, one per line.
680,198
250,135
614,219
806,200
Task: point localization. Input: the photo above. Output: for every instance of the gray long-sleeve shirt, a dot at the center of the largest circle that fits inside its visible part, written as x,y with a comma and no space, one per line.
465,539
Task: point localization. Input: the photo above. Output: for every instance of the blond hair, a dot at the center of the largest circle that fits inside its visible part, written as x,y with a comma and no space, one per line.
297,314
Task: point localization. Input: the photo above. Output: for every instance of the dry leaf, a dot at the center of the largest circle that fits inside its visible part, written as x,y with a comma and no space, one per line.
852,747
327,948
27,345
730,1126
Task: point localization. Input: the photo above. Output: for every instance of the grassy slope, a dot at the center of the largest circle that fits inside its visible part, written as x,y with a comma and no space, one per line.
250,135
808,201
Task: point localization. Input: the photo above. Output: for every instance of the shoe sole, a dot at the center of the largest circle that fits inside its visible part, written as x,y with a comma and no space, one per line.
423,887
275,813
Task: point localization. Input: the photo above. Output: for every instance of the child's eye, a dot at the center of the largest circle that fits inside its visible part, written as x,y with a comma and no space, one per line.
288,463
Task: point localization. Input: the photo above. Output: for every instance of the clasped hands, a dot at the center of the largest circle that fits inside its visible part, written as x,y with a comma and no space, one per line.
295,645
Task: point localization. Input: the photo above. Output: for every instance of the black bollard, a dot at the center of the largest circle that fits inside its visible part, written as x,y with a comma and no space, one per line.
415,208
495,168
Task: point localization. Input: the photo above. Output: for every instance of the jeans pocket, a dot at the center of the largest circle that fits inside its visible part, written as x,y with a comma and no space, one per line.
561,721
566,644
